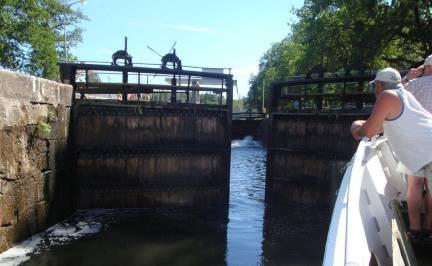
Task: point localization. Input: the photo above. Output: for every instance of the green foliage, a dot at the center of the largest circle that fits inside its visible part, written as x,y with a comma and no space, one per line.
347,35
210,98
239,105
32,34
43,128
93,76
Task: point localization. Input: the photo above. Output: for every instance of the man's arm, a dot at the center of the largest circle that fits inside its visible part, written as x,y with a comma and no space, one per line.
413,74
388,105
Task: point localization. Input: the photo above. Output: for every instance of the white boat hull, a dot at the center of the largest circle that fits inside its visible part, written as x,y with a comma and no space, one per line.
361,225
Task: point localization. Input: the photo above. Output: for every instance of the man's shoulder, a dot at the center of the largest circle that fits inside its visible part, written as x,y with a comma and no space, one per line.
421,80
389,93
388,97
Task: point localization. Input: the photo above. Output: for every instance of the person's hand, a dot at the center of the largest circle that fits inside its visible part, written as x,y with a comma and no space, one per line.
355,126
414,73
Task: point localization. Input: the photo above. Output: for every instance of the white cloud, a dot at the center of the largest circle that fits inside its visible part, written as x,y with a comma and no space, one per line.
192,28
246,70
242,75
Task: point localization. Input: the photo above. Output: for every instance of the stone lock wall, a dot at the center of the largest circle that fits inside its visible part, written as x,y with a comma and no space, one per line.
34,124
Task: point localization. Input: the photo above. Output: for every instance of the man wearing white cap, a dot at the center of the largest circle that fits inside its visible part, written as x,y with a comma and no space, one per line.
408,129
419,82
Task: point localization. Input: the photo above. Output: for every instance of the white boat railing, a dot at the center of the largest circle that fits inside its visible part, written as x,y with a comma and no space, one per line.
360,229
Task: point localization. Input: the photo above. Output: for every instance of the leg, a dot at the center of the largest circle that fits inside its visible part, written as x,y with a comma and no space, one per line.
415,201
428,208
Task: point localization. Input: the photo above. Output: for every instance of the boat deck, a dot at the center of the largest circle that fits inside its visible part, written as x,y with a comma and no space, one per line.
417,253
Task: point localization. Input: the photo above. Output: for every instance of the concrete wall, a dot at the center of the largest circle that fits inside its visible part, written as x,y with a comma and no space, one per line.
138,155
34,121
306,155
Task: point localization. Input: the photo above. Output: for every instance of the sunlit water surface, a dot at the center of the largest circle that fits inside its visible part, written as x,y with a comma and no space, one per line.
250,233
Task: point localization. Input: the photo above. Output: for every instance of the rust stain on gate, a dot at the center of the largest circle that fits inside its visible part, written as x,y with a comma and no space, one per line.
153,145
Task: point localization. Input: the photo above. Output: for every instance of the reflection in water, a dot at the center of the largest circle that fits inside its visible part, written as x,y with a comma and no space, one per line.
264,234
252,233
295,234
147,237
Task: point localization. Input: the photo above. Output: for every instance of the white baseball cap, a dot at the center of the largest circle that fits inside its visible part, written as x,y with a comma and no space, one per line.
389,75
428,60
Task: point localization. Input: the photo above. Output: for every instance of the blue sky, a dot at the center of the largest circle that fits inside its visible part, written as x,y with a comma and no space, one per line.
231,34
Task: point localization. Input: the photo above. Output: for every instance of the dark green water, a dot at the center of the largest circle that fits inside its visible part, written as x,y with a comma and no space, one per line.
248,233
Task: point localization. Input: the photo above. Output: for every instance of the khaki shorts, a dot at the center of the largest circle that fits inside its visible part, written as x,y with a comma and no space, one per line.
425,171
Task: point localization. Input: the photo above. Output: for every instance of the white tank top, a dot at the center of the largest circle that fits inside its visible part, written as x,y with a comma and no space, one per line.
410,134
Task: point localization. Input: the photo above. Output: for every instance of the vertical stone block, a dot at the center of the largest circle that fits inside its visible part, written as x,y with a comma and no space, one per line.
27,155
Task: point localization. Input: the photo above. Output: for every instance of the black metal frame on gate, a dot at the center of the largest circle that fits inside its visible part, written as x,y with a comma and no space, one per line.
248,116
78,75
309,94
69,71
311,100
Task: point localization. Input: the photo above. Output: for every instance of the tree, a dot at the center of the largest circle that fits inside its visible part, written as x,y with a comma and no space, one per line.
280,62
31,34
348,35
238,105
